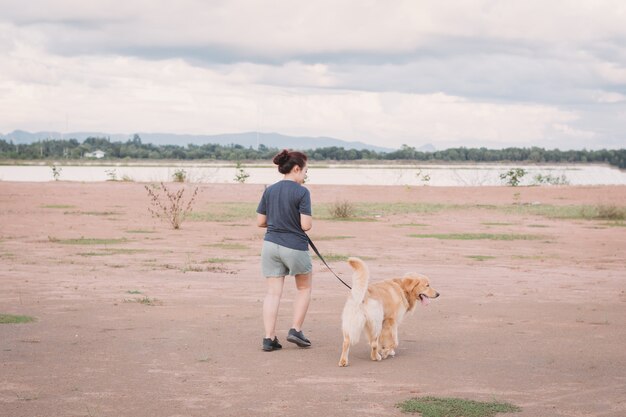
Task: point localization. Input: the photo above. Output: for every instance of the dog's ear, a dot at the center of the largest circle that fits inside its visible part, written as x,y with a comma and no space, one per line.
409,284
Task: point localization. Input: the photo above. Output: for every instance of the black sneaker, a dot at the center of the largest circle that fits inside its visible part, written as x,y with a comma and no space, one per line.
270,345
298,338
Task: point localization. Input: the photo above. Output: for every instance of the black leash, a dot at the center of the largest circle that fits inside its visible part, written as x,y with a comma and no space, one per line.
319,255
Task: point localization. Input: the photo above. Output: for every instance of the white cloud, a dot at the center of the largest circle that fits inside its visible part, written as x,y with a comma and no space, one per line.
325,26
463,73
609,97
121,94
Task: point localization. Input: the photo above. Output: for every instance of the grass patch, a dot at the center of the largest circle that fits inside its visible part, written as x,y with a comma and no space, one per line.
234,212
497,224
351,219
322,238
220,260
133,292
199,268
224,212
112,251
387,209
370,211
94,213
124,251
140,231
538,225
228,246
615,224
411,225
534,257
584,212
58,206
334,257
480,257
87,241
89,254
147,301
13,319
477,236
455,407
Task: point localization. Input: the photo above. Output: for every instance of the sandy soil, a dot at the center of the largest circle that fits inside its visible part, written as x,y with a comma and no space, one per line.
540,324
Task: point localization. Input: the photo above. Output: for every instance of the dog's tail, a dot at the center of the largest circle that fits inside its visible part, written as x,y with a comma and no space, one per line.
360,278
353,317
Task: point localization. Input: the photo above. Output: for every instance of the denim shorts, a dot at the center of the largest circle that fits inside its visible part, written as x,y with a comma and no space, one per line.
278,261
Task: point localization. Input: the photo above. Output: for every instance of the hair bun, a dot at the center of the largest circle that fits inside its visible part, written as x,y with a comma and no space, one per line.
281,158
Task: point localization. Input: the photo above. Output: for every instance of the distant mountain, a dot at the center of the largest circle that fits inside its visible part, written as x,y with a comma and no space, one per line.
426,148
247,139
24,137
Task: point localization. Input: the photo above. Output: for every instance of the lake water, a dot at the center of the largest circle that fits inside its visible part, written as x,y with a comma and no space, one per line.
340,174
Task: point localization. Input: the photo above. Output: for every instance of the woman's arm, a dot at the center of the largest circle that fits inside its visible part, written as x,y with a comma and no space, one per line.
306,222
261,220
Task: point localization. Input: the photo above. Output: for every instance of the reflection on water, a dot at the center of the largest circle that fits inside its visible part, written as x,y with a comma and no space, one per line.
433,175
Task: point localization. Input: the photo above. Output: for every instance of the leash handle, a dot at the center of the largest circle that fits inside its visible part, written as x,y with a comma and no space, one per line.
319,255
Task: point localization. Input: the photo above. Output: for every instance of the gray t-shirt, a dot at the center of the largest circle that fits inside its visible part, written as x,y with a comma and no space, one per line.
283,203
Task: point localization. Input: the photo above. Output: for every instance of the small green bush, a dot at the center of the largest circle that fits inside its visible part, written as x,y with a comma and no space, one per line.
56,172
242,175
180,175
513,176
551,179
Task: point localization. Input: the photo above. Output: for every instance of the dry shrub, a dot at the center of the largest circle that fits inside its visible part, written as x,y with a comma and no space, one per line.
611,212
169,205
342,209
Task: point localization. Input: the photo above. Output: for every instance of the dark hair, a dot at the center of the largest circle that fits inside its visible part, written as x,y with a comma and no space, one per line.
286,160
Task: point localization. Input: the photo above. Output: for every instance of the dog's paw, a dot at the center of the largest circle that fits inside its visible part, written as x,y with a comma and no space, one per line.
343,362
392,353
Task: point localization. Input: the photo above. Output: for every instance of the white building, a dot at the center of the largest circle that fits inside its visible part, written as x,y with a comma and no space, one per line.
98,154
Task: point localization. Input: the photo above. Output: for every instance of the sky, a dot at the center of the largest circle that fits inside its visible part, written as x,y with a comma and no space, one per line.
492,73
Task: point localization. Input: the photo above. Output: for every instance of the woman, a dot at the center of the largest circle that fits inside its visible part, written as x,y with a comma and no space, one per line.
285,210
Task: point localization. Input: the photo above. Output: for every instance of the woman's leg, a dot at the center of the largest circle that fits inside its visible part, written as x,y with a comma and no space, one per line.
271,303
303,297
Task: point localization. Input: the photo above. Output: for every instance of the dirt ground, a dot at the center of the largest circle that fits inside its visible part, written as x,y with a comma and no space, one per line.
540,323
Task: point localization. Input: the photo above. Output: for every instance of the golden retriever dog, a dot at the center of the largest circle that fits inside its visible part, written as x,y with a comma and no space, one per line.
379,309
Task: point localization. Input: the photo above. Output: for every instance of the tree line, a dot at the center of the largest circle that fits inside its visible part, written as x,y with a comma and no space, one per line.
135,149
